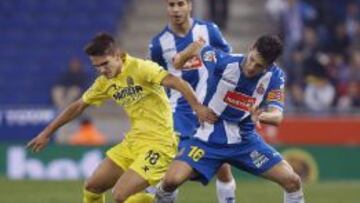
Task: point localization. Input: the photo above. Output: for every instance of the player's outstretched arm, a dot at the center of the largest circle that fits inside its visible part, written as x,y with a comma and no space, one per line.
180,59
71,112
204,114
271,116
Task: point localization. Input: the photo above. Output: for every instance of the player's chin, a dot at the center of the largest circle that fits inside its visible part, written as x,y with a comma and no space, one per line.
178,21
109,76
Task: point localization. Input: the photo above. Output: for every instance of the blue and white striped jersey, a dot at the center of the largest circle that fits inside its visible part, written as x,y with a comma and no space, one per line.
166,44
230,94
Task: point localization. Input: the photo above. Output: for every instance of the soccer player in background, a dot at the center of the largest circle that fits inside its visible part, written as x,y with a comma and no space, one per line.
142,158
243,91
180,32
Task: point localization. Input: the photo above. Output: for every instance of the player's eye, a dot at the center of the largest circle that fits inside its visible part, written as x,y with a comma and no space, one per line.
101,64
259,66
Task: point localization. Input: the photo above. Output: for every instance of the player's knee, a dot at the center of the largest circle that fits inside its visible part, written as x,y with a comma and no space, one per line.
92,186
224,173
292,183
170,183
118,196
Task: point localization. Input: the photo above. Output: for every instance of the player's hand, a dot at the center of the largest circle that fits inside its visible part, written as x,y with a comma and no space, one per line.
255,116
177,62
39,142
205,114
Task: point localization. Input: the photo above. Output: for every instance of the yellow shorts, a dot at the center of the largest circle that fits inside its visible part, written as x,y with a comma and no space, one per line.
148,159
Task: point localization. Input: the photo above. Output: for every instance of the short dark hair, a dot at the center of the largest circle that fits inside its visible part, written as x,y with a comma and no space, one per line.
270,47
102,44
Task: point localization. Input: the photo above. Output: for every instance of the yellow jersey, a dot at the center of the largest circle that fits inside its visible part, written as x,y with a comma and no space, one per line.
137,88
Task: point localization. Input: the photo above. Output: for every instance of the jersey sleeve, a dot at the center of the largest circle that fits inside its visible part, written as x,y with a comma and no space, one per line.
96,94
275,96
155,53
217,39
151,72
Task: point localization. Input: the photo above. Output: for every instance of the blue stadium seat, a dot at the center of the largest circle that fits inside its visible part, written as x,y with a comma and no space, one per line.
38,38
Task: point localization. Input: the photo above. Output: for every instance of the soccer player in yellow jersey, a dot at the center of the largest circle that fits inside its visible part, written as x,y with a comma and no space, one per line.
142,158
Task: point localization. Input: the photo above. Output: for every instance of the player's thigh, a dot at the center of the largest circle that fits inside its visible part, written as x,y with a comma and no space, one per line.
255,157
200,157
104,177
224,173
280,173
122,155
129,184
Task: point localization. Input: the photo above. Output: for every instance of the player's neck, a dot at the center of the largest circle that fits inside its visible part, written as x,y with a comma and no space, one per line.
182,29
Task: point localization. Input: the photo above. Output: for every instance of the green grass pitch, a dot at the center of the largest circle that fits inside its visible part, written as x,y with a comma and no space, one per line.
247,192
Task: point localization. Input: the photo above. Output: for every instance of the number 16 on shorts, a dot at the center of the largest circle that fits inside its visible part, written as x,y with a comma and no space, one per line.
196,153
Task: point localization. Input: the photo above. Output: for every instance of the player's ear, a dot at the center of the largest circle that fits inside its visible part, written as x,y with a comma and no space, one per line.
122,56
252,47
119,54
189,2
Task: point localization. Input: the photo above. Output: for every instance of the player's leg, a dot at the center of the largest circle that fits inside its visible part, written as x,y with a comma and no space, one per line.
196,160
283,174
117,161
141,197
257,157
177,174
129,183
151,164
181,145
225,185
103,178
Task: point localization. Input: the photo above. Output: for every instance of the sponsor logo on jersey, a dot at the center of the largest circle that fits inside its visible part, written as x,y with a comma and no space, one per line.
127,95
258,158
239,100
276,95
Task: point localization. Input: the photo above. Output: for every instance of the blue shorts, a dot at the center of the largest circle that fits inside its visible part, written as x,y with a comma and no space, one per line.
185,124
252,155
182,142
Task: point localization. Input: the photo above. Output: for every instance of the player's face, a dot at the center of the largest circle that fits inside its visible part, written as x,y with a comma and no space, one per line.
254,64
178,11
107,65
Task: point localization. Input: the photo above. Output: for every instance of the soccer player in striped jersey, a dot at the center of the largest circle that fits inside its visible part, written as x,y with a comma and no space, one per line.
180,32
143,156
243,91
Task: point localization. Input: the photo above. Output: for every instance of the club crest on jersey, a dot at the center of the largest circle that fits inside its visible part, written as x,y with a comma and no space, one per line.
260,90
130,81
239,100
210,56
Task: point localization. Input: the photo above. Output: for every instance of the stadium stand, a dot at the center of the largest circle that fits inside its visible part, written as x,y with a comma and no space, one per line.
37,39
